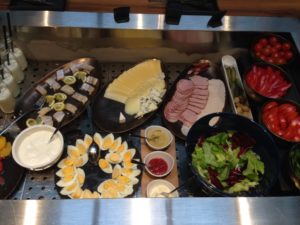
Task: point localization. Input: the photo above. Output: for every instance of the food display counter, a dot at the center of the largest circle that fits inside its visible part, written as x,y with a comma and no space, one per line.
51,39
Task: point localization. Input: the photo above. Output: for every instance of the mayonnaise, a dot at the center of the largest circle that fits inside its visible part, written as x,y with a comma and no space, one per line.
158,189
35,151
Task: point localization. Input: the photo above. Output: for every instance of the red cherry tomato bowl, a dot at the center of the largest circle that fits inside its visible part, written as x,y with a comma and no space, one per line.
274,49
281,118
264,81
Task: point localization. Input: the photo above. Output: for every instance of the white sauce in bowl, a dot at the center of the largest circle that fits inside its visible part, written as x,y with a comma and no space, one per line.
156,191
32,149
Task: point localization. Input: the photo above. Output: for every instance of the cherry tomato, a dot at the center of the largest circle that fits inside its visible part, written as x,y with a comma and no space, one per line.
276,55
278,46
280,61
269,106
273,40
286,46
258,47
289,55
263,41
270,60
263,57
267,51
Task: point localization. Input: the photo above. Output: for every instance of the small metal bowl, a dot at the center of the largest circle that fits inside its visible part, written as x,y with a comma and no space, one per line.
253,94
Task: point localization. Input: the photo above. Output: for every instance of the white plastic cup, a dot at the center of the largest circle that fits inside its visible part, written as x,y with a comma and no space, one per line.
15,70
7,101
18,55
11,84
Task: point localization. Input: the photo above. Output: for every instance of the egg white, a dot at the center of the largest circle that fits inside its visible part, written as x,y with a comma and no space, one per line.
62,163
125,147
108,158
116,171
98,139
108,169
109,136
101,187
62,183
73,151
65,190
80,172
130,172
82,147
129,154
116,144
60,173
81,160
128,191
88,140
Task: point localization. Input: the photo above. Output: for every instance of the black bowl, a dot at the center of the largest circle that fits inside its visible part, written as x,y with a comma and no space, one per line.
253,94
291,165
265,147
281,40
278,138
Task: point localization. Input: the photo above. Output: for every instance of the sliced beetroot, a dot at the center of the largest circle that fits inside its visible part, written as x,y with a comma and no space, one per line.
213,176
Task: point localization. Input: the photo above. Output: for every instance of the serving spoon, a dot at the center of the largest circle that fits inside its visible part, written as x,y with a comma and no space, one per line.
144,137
168,194
93,151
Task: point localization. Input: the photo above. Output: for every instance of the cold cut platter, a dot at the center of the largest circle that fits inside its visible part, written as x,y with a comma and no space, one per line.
66,91
131,98
197,92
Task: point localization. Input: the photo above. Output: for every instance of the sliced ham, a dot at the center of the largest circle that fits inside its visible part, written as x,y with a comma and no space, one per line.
201,87
189,116
197,104
198,91
184,85
195,109
199,81
197,100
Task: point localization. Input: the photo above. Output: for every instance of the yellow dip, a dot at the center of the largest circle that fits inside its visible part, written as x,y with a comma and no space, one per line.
158,138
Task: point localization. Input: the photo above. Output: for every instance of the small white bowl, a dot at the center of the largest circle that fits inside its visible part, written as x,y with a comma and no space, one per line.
32,150
155,183
165,130
163,155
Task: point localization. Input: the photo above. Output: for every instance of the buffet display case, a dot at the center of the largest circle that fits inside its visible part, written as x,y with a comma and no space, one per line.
51,39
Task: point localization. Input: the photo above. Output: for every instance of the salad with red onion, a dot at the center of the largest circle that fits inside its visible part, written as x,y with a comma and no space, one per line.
227,161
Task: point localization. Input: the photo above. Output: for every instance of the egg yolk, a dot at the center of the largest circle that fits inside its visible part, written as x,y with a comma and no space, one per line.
120,187
123,179
115,145
68,162
88,140
87,194
77,193
114,157
107,143
127,171
127,156
109,185
74,152
103,164
68,170
67,178
121,148
128,164
71,187
110,194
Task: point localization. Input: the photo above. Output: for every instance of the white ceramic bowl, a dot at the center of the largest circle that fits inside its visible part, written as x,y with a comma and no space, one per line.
163,155
165,130
160,182
32,150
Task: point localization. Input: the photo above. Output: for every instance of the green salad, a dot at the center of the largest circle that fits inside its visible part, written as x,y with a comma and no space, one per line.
227,161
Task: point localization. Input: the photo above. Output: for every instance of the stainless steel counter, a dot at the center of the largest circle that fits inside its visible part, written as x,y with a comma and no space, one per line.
214,211
244,211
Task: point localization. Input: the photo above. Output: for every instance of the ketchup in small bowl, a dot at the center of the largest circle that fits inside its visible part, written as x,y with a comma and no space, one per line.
158,166
159,163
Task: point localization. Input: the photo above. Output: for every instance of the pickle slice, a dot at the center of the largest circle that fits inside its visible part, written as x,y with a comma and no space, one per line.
69,80
58,106
81,75
60,97
31,122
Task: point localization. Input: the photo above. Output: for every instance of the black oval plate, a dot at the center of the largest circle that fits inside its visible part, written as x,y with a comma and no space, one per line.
31,96
94,175
12,175
212,73
106,114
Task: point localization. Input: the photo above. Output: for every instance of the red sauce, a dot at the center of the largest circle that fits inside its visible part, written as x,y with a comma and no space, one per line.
158,166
